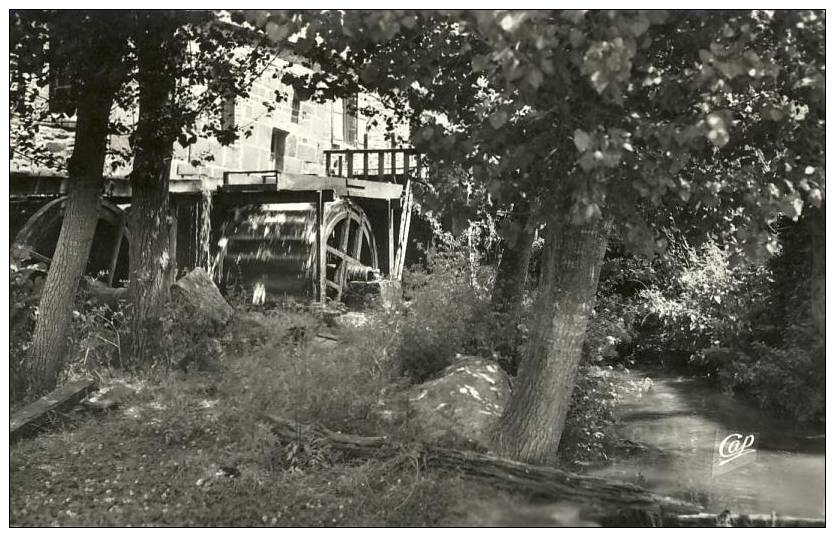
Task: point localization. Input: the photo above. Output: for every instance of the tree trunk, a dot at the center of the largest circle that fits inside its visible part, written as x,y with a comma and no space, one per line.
509,286
152,268
52,329
532,423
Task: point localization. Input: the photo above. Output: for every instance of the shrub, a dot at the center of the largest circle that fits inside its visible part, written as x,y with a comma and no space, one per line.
751,327
705,308
789,379
448,311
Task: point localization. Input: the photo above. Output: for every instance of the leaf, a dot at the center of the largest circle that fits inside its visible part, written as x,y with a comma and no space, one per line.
815,197
498,119
535,77
581,140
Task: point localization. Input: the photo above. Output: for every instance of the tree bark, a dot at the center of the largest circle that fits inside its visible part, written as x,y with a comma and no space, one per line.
532,423
152,268
511,276
52,328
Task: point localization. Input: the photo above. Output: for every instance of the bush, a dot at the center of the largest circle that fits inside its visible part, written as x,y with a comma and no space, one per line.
25,284
447,312
789,379
705,308
748,326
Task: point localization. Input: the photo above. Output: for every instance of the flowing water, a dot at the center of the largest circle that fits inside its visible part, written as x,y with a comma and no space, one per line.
672,434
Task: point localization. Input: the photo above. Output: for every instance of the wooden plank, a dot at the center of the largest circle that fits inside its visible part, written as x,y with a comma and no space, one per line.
365,155
359,187
393,157
381,164
34,417
349,160
117,248
404,237
390,231
344,256
733,520
320,248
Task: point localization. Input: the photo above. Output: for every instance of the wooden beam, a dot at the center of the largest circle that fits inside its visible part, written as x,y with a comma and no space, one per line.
732,520
393,156
340,186
320,249
35,416
390,230
403,234
404,237
365,155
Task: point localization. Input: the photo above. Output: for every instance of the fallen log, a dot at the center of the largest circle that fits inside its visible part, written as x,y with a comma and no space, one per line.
32,417
728,519
608,501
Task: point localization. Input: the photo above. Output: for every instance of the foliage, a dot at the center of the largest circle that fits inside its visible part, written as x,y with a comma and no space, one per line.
707,306
25,285
95,338
751,327
588,426
448,311
711,110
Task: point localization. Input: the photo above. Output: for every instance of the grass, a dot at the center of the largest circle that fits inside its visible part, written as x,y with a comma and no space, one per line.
190,450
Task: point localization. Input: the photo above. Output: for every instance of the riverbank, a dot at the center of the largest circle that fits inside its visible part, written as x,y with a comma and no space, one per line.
670,433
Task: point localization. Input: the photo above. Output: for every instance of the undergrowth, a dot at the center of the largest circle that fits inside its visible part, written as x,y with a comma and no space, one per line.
194,449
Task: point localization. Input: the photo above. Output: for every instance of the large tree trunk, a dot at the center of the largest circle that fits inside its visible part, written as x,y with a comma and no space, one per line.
508,289
52,329
152,268
532,423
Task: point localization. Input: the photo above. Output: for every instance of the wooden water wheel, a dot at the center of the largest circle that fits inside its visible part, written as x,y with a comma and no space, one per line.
351,251
269,250
108,255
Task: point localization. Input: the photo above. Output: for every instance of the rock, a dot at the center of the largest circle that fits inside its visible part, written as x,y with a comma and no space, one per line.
352,319
560,515
109,397
461,406
197,293
373,294
193,321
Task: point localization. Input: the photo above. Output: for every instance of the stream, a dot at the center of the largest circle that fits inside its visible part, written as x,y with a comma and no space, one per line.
671,433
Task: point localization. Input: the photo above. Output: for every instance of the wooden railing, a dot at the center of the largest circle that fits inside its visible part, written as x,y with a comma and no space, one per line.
379,163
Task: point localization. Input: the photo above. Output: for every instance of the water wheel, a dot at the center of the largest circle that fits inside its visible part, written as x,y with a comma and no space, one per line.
108,259
351,252
269,250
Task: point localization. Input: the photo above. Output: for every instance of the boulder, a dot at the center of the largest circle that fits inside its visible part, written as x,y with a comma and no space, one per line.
460,406
194,319
201,299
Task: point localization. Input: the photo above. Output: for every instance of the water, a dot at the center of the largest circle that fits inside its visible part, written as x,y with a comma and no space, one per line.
678,424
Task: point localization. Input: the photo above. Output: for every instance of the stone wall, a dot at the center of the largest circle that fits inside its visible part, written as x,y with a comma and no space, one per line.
318,127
